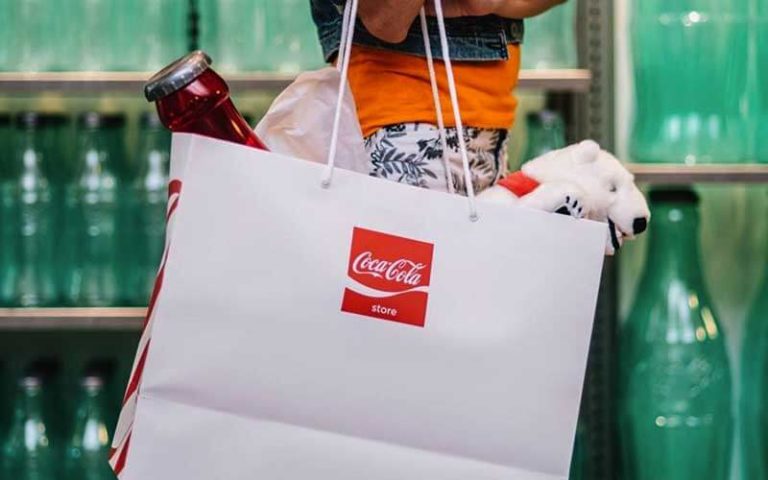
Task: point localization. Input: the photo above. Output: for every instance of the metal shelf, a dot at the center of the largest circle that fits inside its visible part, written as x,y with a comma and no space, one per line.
133,82
103,319
688,174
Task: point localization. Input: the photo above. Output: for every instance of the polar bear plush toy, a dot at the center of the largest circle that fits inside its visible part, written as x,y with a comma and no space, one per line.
582,181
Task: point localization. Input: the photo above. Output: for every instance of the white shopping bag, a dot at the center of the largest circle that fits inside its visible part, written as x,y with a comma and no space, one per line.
309,325
256,371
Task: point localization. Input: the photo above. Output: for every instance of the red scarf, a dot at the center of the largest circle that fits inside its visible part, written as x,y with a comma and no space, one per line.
518,183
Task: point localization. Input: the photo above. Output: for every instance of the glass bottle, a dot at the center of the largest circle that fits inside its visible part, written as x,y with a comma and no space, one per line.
28,453
149,194
88,449
28,200
578,469
7,206
761,47
550,39
675,383
754,389
247,51
690,74
192,98
6,34
292,42
91,229
31,34
546,132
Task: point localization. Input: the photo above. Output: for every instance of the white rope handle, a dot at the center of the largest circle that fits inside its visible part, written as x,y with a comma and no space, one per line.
345,54
436,99
473,215
346,21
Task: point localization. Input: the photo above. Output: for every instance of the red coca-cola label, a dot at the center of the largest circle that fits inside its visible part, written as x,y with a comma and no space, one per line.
389,277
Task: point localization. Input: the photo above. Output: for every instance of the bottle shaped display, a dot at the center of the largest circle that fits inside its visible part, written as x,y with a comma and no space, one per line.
28,453
578,469
546,132
293,44
246,51
675,388
190,97
91,229
761,45
31,33
149,195
145,34
754,389
7,205
550,39
688,99
88,449
29,218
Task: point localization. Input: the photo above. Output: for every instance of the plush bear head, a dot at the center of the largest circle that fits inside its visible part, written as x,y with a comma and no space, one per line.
612,195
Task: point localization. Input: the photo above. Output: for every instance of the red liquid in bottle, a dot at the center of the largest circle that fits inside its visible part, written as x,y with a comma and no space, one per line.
192,98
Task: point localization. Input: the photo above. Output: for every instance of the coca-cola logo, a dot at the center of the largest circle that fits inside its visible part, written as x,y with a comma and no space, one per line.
389,277
400,270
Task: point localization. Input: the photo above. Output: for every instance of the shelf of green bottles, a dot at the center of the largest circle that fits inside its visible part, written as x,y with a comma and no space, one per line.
689,174
568,80
107,319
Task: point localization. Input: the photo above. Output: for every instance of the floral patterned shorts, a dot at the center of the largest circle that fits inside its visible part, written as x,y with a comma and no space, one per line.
412,153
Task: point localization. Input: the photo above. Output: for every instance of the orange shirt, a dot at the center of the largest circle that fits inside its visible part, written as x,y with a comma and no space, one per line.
391,88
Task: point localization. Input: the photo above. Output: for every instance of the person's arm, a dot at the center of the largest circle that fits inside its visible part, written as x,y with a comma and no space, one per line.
502,8
389,20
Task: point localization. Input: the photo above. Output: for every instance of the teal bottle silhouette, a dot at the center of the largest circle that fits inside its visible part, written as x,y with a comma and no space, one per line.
691,64
149,194
550,39
546,132
29,218
7,204
675,383
87,452
754,389
246,51
28,453
91,239
761,46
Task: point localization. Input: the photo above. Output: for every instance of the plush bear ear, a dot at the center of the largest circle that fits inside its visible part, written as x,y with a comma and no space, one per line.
587,151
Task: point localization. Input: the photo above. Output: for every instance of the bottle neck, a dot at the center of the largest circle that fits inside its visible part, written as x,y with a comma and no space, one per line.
673,250
30,404
154,156
93,152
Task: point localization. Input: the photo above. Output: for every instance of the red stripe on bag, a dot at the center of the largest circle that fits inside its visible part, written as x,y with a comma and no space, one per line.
120,449
133,384
120,465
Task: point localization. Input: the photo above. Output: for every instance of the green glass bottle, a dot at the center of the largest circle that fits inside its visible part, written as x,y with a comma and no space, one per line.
761,44
88,449
675,382
28,453
91,233
754,389
691,66
149,193
550,39
7,202
29,200
578,469
546,132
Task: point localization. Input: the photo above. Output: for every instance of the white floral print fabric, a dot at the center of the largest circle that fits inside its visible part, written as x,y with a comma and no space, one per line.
412,153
